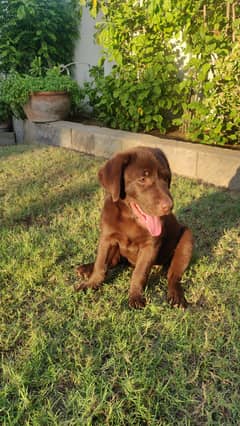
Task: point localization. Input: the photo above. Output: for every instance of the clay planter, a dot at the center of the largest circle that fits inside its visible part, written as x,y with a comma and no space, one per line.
47,106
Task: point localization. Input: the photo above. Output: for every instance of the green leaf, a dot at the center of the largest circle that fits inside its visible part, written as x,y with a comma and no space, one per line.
204,72
21,13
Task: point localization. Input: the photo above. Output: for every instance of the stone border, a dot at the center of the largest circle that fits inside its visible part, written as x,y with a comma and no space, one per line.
7,138
214,165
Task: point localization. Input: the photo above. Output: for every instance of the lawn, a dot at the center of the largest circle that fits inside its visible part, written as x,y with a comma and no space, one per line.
86,358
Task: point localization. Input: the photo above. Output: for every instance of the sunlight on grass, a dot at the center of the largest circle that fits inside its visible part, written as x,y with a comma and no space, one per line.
86,358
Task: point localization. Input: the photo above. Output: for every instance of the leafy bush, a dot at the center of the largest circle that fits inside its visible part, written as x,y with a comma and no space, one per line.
216,119
5,112
144,91
127,101
17,88
43,28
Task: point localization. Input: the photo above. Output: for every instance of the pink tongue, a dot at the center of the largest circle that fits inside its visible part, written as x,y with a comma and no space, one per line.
152,223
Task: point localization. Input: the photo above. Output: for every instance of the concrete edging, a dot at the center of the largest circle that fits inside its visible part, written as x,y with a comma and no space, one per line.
7,138
214,165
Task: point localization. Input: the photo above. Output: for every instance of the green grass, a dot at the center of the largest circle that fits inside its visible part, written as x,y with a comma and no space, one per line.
87,359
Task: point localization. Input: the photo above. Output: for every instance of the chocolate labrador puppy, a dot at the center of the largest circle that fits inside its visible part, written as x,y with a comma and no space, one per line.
137,224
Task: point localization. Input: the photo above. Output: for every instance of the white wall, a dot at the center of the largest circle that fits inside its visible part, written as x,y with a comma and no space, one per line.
87,52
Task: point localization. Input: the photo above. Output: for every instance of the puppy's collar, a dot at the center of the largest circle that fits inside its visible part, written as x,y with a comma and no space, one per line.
151,223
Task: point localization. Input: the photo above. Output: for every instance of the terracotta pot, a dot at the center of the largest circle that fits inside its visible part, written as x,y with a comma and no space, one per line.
47,106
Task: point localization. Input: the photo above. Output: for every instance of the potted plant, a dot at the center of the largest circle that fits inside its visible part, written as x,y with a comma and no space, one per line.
41,98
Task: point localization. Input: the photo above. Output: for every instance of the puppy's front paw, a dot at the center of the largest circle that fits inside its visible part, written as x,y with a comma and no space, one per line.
85,285
137,301
176,297
85,271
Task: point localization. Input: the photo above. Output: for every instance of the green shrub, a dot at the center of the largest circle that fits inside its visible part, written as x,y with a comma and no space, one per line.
129,101
43,28
216,120
143,92
5,112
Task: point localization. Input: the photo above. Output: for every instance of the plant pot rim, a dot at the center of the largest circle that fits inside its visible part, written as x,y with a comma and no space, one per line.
49,92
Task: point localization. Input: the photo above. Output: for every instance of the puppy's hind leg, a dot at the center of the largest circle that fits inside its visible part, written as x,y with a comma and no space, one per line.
178,265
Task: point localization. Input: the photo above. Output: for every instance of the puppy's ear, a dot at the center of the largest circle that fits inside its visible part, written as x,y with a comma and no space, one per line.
111,175
165,168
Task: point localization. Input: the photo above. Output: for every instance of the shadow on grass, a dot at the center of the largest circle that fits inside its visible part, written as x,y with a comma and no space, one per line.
13,150
41,213
210,217
235,181
46,193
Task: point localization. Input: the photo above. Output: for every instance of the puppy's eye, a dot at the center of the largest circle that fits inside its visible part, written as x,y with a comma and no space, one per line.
144,176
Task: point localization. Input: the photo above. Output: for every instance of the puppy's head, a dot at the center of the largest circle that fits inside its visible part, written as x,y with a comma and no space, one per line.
142,176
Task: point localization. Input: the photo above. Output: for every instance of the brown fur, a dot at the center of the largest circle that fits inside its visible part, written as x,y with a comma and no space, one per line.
141,175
